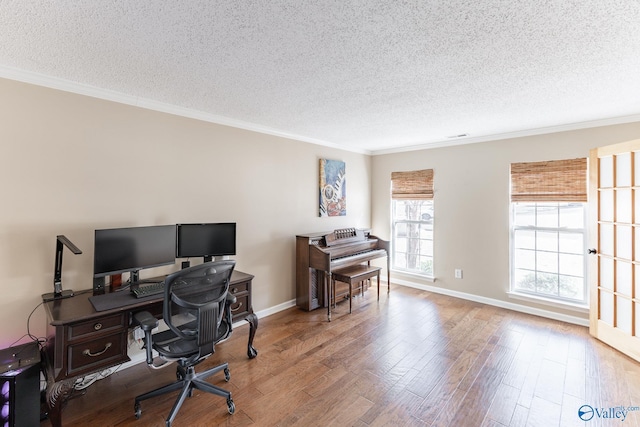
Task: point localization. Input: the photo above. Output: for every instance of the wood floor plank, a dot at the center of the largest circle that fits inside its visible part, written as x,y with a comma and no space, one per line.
442,392
414,358
544,413
503,405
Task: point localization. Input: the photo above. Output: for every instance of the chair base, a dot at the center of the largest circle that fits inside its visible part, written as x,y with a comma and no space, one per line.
187,381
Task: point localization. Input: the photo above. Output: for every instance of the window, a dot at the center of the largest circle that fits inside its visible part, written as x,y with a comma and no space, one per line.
548,229
412,221
549,243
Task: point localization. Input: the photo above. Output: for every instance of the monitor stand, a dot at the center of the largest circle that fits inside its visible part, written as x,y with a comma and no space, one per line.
134,277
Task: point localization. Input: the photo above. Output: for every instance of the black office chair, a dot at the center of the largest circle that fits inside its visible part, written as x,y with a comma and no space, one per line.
197,311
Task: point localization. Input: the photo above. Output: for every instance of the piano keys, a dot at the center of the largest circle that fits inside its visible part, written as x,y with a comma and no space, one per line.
317,254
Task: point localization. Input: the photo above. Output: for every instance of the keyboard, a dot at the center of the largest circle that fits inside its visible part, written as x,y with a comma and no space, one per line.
148,289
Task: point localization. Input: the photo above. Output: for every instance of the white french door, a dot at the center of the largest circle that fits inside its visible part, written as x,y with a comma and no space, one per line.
614,263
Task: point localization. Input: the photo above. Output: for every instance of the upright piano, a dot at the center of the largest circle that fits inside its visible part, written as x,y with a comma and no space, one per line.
317,254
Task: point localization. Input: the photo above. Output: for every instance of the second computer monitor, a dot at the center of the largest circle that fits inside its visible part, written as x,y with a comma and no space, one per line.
206,240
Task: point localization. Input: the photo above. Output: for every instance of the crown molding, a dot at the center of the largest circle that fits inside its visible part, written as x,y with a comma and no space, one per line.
509,135
114,96
149,104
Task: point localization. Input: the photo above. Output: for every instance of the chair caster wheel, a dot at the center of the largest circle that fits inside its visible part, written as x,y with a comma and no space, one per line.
138,411
227,375
231,406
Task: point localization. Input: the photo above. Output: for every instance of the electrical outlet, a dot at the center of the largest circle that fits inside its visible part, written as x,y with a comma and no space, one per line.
458,273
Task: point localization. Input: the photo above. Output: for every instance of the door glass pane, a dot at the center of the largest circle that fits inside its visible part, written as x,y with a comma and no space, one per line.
623,170
606,273
636,169
606,172
606,307
623,241
606,239
623,278
606,205
623,314
637,311
623,205
636,211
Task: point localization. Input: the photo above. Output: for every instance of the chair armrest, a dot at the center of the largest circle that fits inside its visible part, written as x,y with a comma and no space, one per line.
145,320
147,323
228,316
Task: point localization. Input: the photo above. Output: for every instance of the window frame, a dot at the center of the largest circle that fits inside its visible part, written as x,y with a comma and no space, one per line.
428,223
514,227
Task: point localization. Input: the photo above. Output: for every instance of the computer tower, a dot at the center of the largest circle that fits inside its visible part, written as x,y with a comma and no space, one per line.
20,386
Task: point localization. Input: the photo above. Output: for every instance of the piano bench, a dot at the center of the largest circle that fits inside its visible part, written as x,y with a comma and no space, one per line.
353,275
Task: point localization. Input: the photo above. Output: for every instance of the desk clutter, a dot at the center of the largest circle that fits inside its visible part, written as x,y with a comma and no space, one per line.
131,249
119,299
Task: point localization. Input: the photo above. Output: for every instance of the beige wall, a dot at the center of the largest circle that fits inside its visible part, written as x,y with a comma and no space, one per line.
70,164
471,184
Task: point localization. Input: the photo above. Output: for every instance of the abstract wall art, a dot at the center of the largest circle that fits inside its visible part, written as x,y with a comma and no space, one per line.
333,188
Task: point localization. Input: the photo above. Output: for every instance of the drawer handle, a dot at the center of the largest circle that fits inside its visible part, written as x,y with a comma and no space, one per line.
234,290
238,307
97,326
87,352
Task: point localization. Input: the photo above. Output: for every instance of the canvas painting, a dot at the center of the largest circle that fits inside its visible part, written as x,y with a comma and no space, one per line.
333,188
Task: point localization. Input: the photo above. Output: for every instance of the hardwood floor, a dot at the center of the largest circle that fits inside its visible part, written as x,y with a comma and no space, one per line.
412,359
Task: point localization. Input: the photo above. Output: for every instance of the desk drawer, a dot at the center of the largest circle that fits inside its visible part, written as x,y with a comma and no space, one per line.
241,308
97,327
91,355
239,288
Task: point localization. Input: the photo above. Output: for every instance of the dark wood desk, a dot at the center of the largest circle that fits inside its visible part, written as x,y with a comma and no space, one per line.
81,340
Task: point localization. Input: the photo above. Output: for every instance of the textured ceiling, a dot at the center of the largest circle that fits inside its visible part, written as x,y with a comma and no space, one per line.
366,75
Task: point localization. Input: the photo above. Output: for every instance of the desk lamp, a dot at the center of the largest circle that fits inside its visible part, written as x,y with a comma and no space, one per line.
58,293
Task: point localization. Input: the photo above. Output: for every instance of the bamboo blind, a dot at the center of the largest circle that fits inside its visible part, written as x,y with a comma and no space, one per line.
550,181
414,185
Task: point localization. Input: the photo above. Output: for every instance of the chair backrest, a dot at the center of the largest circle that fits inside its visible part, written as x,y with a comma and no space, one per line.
194,303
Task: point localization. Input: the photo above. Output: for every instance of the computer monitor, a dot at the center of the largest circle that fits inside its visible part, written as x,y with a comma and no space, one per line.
120,250
206,240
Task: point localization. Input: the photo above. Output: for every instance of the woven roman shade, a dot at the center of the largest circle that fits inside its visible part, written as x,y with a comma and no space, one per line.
413,185
551,181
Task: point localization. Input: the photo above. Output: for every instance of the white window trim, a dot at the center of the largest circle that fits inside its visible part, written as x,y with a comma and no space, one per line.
413,273
539,298
567,305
